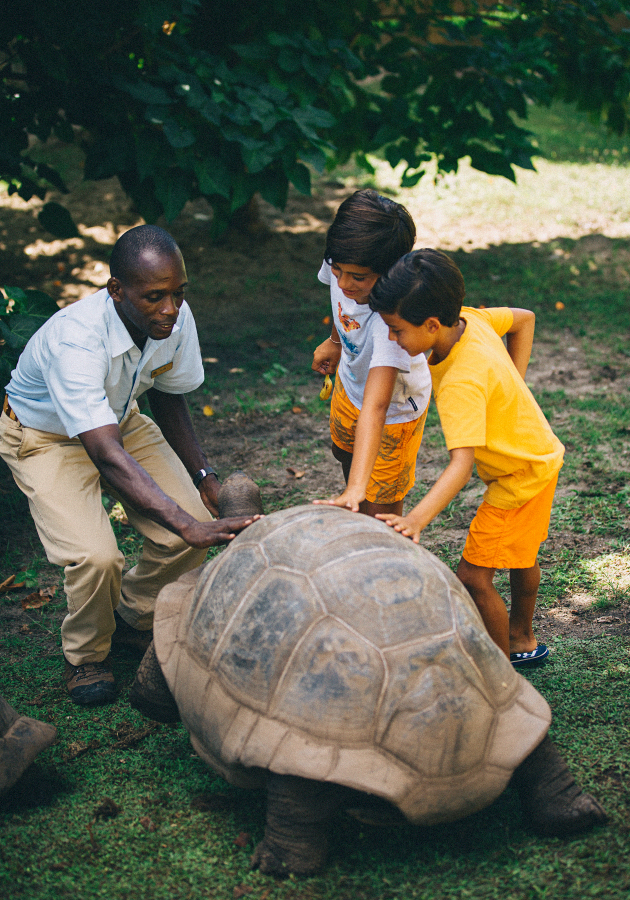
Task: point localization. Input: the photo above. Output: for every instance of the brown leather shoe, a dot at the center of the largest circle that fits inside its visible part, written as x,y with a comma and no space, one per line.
90,684
130,638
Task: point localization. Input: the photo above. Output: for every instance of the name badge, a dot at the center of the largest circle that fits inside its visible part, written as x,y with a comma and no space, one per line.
165,368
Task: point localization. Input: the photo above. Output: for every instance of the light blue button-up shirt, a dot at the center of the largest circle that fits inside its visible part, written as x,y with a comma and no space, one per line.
81,370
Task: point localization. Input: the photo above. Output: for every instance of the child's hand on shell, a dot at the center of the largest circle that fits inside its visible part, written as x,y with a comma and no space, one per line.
403,524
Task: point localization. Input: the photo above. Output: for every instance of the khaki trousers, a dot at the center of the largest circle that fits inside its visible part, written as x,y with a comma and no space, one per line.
64,488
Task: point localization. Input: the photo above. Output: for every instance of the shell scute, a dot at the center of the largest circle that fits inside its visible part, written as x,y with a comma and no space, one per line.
330,669
256,646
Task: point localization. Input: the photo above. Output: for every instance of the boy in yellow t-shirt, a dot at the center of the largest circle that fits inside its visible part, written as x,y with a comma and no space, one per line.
489,418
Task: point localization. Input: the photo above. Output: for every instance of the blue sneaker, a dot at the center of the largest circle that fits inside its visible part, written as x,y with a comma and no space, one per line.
537,657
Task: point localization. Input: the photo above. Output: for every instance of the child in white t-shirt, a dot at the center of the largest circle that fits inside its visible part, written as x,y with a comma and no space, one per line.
381,394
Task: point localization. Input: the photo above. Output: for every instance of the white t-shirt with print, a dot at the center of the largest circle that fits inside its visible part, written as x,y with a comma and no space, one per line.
365,344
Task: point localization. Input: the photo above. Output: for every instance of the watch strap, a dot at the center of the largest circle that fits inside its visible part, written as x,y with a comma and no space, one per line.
199,476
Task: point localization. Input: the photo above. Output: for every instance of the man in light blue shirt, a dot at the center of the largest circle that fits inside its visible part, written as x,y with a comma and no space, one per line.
71,427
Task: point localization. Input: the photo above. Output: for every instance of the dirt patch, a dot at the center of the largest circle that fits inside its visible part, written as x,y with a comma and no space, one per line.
288,454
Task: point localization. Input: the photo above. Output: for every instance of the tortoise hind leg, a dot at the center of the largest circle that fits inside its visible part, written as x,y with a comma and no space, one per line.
149,692
295,836
551,800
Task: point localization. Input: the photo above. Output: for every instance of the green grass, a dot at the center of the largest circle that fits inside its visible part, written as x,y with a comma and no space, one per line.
175,834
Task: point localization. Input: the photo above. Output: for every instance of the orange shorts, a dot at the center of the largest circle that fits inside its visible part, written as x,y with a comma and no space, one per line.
394,471
510,538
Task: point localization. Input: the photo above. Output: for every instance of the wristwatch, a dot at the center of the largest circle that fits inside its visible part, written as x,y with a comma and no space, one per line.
199,476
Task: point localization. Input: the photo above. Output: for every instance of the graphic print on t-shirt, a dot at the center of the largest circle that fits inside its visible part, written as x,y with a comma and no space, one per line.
348,323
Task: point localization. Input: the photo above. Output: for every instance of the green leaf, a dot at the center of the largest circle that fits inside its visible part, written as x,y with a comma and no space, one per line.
300,178
57,220
177,135
24,327
147,93
172,190
315,157
411,180
11,340
274,188
213,176
17,295
492,163
52,176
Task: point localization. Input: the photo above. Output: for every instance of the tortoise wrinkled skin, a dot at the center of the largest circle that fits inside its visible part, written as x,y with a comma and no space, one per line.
21,739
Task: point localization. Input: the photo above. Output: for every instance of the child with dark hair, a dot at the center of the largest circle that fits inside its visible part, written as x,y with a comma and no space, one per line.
489,418
381,394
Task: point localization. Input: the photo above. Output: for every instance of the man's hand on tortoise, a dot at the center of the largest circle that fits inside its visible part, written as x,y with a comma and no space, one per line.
220,531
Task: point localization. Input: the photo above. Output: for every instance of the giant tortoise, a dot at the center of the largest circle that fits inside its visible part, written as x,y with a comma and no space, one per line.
326,657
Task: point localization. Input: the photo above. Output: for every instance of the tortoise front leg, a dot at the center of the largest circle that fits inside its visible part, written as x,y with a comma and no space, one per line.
551,800
295,836
149,692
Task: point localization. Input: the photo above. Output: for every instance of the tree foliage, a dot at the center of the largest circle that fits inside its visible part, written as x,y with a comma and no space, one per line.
189,98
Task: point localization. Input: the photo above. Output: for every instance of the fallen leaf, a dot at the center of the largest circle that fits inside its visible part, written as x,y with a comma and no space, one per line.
118,513
38,598
210,359
146,822
295,473
481,306
25,629
236,371
9,584
310,337
78,748
208,411
241,889
326,320
559,304
296,410
607,620
243,839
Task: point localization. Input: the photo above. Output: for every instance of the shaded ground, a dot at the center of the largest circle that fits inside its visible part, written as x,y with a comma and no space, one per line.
286,451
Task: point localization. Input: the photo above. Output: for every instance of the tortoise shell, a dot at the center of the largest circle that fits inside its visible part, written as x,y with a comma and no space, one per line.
323,644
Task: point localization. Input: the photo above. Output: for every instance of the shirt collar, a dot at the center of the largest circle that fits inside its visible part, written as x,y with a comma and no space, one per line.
120,341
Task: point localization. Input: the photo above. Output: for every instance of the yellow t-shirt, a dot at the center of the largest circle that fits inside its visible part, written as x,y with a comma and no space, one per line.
484,403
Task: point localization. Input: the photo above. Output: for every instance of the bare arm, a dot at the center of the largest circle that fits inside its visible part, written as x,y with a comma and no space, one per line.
326,357
105,448
173,418
520,338
445,489
377,396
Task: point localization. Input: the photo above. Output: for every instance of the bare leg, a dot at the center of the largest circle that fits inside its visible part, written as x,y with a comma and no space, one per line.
478,582
344,458
295,836
366,507
524,585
